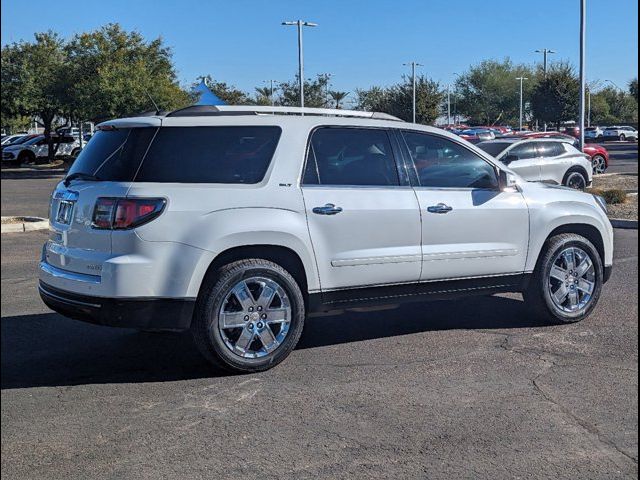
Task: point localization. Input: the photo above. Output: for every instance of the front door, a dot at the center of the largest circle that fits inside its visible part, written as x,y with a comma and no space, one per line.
523,159
364,223
470,228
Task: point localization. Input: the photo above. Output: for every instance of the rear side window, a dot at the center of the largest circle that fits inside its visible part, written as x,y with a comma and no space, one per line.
522,152
210,155
114,155
350,156
550,149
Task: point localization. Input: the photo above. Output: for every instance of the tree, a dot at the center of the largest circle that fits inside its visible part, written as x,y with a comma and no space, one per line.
314,92
338,96
263,96
225,92
113,73
622,106
397,99
633,88
489,93
555,98
33,81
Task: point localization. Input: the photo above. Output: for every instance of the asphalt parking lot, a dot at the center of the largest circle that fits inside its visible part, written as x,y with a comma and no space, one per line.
465,389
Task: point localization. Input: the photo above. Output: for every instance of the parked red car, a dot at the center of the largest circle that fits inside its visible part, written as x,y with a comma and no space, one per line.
599,155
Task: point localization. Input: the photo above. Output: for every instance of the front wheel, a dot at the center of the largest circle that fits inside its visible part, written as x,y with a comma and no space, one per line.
249,316
567,282
622,137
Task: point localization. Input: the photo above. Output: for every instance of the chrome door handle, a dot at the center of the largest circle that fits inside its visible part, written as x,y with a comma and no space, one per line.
439,208
328,209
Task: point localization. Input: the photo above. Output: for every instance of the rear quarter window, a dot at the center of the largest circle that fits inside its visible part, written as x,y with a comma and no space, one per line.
210,155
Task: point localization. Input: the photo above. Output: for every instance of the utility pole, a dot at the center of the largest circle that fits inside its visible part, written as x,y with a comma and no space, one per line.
413,81
522,79
300,24
583,76
588,107
271,83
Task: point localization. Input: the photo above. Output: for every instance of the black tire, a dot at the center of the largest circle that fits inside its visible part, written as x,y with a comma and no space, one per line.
75,153
622,137
572,175
215,289
537,297
26,157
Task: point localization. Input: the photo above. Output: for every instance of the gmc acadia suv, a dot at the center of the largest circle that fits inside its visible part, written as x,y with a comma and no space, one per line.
238,222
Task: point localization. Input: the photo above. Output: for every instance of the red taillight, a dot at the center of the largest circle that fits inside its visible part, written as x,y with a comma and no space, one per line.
124,213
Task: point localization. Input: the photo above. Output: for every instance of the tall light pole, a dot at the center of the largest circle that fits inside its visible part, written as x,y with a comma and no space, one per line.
455,98
271,83
545,52
413,81
448,105
583,76
588,107
300,24
326,77
522,79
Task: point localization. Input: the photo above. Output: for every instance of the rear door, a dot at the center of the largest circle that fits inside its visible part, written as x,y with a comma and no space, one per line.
363,216
523,159
470,228
554,160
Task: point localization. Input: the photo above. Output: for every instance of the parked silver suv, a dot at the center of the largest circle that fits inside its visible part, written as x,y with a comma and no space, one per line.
238,222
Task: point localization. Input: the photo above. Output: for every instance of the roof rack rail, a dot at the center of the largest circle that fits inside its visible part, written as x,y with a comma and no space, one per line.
216,110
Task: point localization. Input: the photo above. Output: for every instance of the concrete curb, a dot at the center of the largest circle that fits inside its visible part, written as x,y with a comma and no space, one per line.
29,224
625,224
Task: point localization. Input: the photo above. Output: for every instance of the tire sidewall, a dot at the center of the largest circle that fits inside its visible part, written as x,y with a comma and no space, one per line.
570,173
214,302
546,269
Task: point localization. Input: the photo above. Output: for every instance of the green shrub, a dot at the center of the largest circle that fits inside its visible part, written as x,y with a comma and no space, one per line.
614,197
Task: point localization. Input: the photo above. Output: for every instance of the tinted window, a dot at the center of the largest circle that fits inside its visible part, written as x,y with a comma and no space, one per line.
351,156
114,155
209,155
522,152
439,162
493,148
550,149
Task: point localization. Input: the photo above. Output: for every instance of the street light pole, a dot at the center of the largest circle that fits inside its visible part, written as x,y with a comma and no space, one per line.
413,81
522,79
271,83
583,76
545,52
326,77
448,105
588,108
300,24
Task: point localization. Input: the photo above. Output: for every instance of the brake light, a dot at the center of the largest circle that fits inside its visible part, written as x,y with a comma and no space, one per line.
125,213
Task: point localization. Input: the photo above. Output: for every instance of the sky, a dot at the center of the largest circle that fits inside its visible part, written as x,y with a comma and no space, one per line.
360,42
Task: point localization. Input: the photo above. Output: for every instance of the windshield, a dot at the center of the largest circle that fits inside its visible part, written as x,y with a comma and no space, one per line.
114,155
494,148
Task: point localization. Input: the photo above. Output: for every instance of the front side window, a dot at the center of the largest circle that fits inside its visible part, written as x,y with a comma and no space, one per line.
550,149
524,151
440,162
350,156
210,155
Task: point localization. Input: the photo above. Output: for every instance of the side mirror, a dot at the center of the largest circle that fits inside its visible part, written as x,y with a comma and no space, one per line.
507,180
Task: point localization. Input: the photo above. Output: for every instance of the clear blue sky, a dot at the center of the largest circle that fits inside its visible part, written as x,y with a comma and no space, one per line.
361,42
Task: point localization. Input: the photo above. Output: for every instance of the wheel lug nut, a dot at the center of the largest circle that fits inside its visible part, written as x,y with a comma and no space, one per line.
259,309
251,326
264,315
246,318
251,309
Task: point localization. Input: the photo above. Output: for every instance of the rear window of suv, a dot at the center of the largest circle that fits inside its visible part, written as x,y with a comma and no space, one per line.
180,154
210,155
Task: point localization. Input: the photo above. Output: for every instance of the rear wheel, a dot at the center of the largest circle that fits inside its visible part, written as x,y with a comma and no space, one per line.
622,137
599,164
567,282
249,316
576,179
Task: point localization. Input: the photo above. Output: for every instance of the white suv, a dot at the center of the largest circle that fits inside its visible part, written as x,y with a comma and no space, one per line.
543,160
620,133
238,222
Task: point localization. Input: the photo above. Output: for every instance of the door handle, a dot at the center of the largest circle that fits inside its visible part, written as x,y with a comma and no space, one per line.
328,209
439,208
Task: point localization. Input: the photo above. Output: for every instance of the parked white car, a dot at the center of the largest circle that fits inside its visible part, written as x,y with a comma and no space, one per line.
621,133
37,147
543,160
593,133
239,222
9,139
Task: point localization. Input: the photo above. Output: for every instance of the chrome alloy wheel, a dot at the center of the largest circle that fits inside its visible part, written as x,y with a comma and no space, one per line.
255,317
572,280
599,164
576,180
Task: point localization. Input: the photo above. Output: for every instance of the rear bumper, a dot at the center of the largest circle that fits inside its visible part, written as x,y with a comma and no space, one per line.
142,313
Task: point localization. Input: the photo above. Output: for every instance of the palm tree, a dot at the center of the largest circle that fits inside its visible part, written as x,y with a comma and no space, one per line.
338,97
264,93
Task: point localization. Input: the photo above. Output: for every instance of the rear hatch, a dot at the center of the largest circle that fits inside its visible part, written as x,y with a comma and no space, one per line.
105,168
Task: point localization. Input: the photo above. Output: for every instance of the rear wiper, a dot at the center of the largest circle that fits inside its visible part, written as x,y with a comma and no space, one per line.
80,176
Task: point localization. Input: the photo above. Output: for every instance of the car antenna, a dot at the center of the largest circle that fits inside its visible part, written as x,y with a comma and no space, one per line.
154,103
